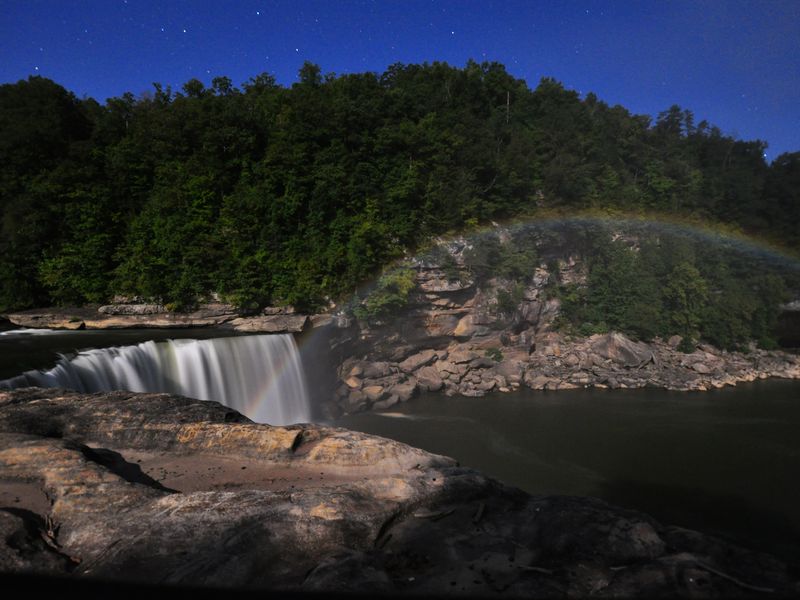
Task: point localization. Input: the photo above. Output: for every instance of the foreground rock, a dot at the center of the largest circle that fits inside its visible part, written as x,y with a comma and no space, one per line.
159,488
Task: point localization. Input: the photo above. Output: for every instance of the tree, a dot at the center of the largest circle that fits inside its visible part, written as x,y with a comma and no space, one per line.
685,297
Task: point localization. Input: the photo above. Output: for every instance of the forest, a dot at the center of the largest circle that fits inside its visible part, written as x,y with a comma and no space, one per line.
268,194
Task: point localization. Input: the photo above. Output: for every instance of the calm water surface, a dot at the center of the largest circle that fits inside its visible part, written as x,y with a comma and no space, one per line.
725,462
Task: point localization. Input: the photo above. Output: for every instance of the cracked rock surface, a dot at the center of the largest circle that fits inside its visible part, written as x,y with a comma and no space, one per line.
163,489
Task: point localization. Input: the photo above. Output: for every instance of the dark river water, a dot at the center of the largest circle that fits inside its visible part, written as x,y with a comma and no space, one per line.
725,462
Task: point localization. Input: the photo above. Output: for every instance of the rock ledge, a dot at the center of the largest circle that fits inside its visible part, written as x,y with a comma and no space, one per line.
159,488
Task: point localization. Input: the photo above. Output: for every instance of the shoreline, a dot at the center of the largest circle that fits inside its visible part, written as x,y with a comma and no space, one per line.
376,368
150,316
606,361
153,487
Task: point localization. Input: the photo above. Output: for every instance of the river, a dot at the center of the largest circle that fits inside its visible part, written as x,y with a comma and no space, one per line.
725,461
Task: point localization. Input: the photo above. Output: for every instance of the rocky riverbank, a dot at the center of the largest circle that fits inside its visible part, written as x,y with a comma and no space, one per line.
552,362
163,489
454,337
156,316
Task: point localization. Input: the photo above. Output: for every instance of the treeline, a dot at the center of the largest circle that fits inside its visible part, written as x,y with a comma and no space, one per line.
268,194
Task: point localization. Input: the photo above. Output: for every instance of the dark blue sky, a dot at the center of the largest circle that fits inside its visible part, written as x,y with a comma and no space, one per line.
736,64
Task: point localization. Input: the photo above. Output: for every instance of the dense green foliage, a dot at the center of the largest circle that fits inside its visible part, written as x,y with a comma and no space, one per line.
268,194
661,283
642,278
390,294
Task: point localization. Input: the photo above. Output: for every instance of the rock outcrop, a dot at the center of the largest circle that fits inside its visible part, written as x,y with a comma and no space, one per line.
123,316
455,337
162,489
551,361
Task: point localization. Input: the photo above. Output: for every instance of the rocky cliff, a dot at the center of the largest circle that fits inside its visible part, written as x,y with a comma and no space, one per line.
163,489
455,336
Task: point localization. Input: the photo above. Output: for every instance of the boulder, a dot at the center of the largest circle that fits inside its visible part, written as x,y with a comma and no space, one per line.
510,368
536,381
388,403
415,361
482,362
620,349
465,327
461,356
353,382
428,379
445,366
373,392
374,370
404,391
487,385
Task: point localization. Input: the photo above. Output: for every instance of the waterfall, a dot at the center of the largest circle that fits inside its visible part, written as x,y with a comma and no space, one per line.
260,375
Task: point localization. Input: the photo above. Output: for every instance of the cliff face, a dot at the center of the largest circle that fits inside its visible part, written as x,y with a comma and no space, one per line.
158,488
463,338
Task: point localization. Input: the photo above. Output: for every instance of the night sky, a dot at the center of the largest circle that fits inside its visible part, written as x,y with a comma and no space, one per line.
735,64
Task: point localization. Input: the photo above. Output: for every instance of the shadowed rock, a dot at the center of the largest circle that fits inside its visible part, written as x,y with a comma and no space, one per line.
163,489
